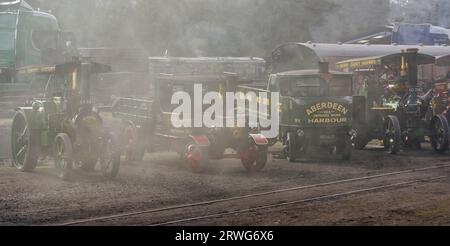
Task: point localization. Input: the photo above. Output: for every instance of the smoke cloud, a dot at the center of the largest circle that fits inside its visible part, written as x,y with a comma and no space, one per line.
231,28
436,12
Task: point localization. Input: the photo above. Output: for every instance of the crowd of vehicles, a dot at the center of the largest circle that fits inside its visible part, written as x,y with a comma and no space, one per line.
333,98
397,94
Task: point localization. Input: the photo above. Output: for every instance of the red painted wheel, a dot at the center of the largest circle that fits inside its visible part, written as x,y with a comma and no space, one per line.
195,157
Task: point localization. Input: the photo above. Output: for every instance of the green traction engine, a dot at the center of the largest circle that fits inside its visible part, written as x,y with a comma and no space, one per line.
397,106
64,124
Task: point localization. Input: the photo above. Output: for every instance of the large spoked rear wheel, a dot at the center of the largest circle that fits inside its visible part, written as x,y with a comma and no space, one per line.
392,135
24,144
195,157
110,158
440,134
63,156
254,158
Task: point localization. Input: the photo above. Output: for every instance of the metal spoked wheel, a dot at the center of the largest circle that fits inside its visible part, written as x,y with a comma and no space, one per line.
195,157
392,135
110,158
254,158
359,138
440,134
24,148
63,156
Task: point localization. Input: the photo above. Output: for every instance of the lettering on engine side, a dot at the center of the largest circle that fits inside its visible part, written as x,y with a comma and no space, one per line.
327,113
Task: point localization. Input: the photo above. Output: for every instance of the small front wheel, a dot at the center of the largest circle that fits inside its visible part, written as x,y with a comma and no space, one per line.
439,134
63,156
110,157
392,135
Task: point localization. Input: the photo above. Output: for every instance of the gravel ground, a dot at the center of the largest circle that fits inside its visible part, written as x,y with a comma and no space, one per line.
40,198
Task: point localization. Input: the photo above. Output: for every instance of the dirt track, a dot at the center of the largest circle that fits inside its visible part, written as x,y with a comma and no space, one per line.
40,198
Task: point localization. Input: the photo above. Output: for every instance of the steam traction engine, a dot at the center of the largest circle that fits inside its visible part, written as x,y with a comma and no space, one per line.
394,107
64,124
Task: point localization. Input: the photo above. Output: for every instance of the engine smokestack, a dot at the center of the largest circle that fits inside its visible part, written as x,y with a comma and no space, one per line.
412,66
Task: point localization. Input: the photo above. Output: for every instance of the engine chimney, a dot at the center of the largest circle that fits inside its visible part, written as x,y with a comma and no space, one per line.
412,66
